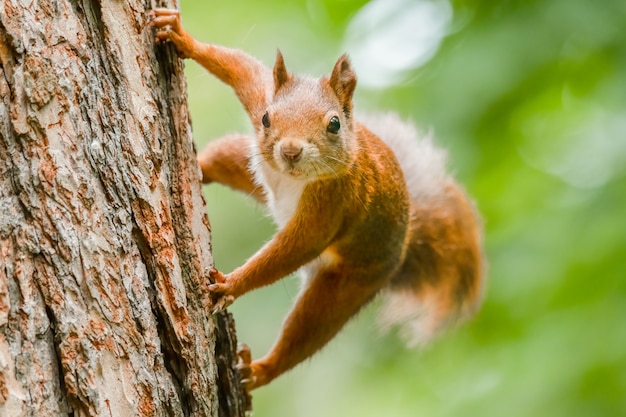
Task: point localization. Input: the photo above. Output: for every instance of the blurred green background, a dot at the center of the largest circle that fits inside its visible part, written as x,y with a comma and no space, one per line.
529,97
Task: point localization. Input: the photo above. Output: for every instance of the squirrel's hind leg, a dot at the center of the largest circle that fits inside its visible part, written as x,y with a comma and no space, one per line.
329,300
226,160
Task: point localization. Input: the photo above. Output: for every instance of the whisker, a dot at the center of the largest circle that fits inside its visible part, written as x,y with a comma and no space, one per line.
329,167
341,161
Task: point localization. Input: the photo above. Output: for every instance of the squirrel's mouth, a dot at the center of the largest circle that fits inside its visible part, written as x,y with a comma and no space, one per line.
295,171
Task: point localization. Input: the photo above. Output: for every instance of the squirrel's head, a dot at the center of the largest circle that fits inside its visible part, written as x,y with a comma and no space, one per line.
307,131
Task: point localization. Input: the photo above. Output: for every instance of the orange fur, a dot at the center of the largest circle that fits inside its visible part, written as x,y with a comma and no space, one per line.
348,218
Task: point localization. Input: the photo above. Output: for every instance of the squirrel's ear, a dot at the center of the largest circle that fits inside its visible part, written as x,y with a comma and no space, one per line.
281,75
343,82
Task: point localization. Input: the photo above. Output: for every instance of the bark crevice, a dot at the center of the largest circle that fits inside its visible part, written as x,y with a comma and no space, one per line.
104,236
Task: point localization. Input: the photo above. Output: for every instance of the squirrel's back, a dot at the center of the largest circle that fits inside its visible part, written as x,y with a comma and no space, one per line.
442,276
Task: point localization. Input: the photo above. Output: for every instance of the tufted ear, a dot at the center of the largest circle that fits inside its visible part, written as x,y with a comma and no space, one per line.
281,75
343,83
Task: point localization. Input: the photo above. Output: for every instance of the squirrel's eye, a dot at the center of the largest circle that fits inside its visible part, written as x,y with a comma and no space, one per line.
333,125
266,120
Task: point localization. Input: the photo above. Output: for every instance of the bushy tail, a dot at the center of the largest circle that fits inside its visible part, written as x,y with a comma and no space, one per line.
441,278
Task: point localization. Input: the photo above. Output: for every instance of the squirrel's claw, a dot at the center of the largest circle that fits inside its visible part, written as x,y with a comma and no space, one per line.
222,303
217,276
169,28
246,373
164,19
220,290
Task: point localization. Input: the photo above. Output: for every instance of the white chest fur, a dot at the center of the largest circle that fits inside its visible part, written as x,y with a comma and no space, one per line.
283,192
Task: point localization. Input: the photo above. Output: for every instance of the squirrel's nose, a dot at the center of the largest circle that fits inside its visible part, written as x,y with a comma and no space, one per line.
291,153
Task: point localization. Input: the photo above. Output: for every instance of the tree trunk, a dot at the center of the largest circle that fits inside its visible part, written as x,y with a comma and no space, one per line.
105,245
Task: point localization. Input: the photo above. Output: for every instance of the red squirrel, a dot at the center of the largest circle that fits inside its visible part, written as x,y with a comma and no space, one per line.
362,208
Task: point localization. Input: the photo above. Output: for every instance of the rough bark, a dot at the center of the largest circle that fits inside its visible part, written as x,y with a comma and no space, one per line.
104,242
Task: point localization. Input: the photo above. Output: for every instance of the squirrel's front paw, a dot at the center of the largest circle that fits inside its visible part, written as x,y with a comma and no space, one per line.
221,291
165,20
169,28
